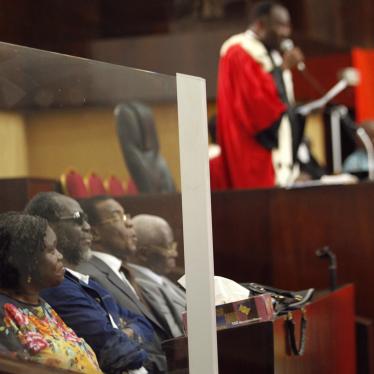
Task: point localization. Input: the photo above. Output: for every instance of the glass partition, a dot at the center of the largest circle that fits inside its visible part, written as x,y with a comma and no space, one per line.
71,102
101,129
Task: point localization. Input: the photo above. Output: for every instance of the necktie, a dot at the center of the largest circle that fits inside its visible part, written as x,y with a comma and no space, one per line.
130,278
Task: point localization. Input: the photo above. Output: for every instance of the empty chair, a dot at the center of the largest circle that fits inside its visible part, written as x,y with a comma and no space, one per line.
95,184
140,148
114,186
73,184
131,188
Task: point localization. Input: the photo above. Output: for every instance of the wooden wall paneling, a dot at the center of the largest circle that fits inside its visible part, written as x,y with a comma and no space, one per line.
16,192
364,345
241,226
135,18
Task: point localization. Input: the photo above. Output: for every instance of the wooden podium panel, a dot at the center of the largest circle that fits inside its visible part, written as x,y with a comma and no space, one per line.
270,236
262,348
16,192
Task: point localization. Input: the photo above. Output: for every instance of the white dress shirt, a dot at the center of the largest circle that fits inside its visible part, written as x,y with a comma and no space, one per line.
115,264
82,277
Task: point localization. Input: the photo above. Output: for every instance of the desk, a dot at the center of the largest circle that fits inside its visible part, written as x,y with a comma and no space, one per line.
262,348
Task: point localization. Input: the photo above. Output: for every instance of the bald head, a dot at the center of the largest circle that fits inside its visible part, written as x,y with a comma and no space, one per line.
152,230
156,246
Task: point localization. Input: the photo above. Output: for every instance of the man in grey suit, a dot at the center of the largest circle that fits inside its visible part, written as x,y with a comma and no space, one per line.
155,259
114,240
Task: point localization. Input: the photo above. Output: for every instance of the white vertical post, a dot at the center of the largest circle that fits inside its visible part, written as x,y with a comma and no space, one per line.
336,141
197,224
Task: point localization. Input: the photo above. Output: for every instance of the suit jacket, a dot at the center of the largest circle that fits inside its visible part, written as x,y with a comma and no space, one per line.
167,293
90,311
159,310
124,295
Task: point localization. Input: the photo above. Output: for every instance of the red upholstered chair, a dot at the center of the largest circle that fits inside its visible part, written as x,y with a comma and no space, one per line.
95,184
131,188
73,184
114,186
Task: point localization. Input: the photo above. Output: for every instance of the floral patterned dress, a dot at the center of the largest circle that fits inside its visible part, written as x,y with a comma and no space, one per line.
37,333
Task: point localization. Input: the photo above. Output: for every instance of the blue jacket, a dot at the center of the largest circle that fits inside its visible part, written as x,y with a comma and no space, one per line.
88,310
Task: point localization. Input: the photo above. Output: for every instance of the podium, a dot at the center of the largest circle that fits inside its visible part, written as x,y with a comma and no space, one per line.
263,348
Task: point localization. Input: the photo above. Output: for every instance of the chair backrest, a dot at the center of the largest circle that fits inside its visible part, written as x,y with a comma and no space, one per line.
95,184
73,184
131,188
140,148
116,187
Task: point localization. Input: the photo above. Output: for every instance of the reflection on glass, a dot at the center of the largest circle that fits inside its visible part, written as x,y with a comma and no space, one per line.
108,130
62,111
140,148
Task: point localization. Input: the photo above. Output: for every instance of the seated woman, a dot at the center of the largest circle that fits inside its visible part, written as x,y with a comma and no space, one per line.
29,327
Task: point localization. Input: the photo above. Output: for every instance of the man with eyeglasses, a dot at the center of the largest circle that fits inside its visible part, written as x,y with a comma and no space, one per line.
114,242
155,259
122,340
156,248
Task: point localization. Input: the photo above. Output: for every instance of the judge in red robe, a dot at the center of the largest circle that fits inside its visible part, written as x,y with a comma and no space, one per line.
249,105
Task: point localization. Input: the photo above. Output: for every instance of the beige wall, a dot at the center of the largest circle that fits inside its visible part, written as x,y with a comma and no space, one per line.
86,140
13,146
314,130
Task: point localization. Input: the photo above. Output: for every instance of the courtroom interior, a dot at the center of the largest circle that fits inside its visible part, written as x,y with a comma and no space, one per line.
185,186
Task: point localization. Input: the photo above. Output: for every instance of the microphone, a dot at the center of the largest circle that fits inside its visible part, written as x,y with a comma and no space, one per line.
348,77
326,253
287,45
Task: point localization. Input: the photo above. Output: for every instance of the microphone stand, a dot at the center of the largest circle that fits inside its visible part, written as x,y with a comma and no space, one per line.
366,141
362,134
320,103
336,116
326,253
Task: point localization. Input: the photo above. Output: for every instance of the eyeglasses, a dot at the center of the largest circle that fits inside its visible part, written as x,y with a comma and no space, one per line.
116,217
77,217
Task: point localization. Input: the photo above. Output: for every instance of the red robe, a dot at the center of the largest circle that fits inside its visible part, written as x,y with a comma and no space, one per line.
248,102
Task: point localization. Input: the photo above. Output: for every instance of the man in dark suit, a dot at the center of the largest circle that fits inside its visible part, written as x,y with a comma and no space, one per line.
114,241
121,339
